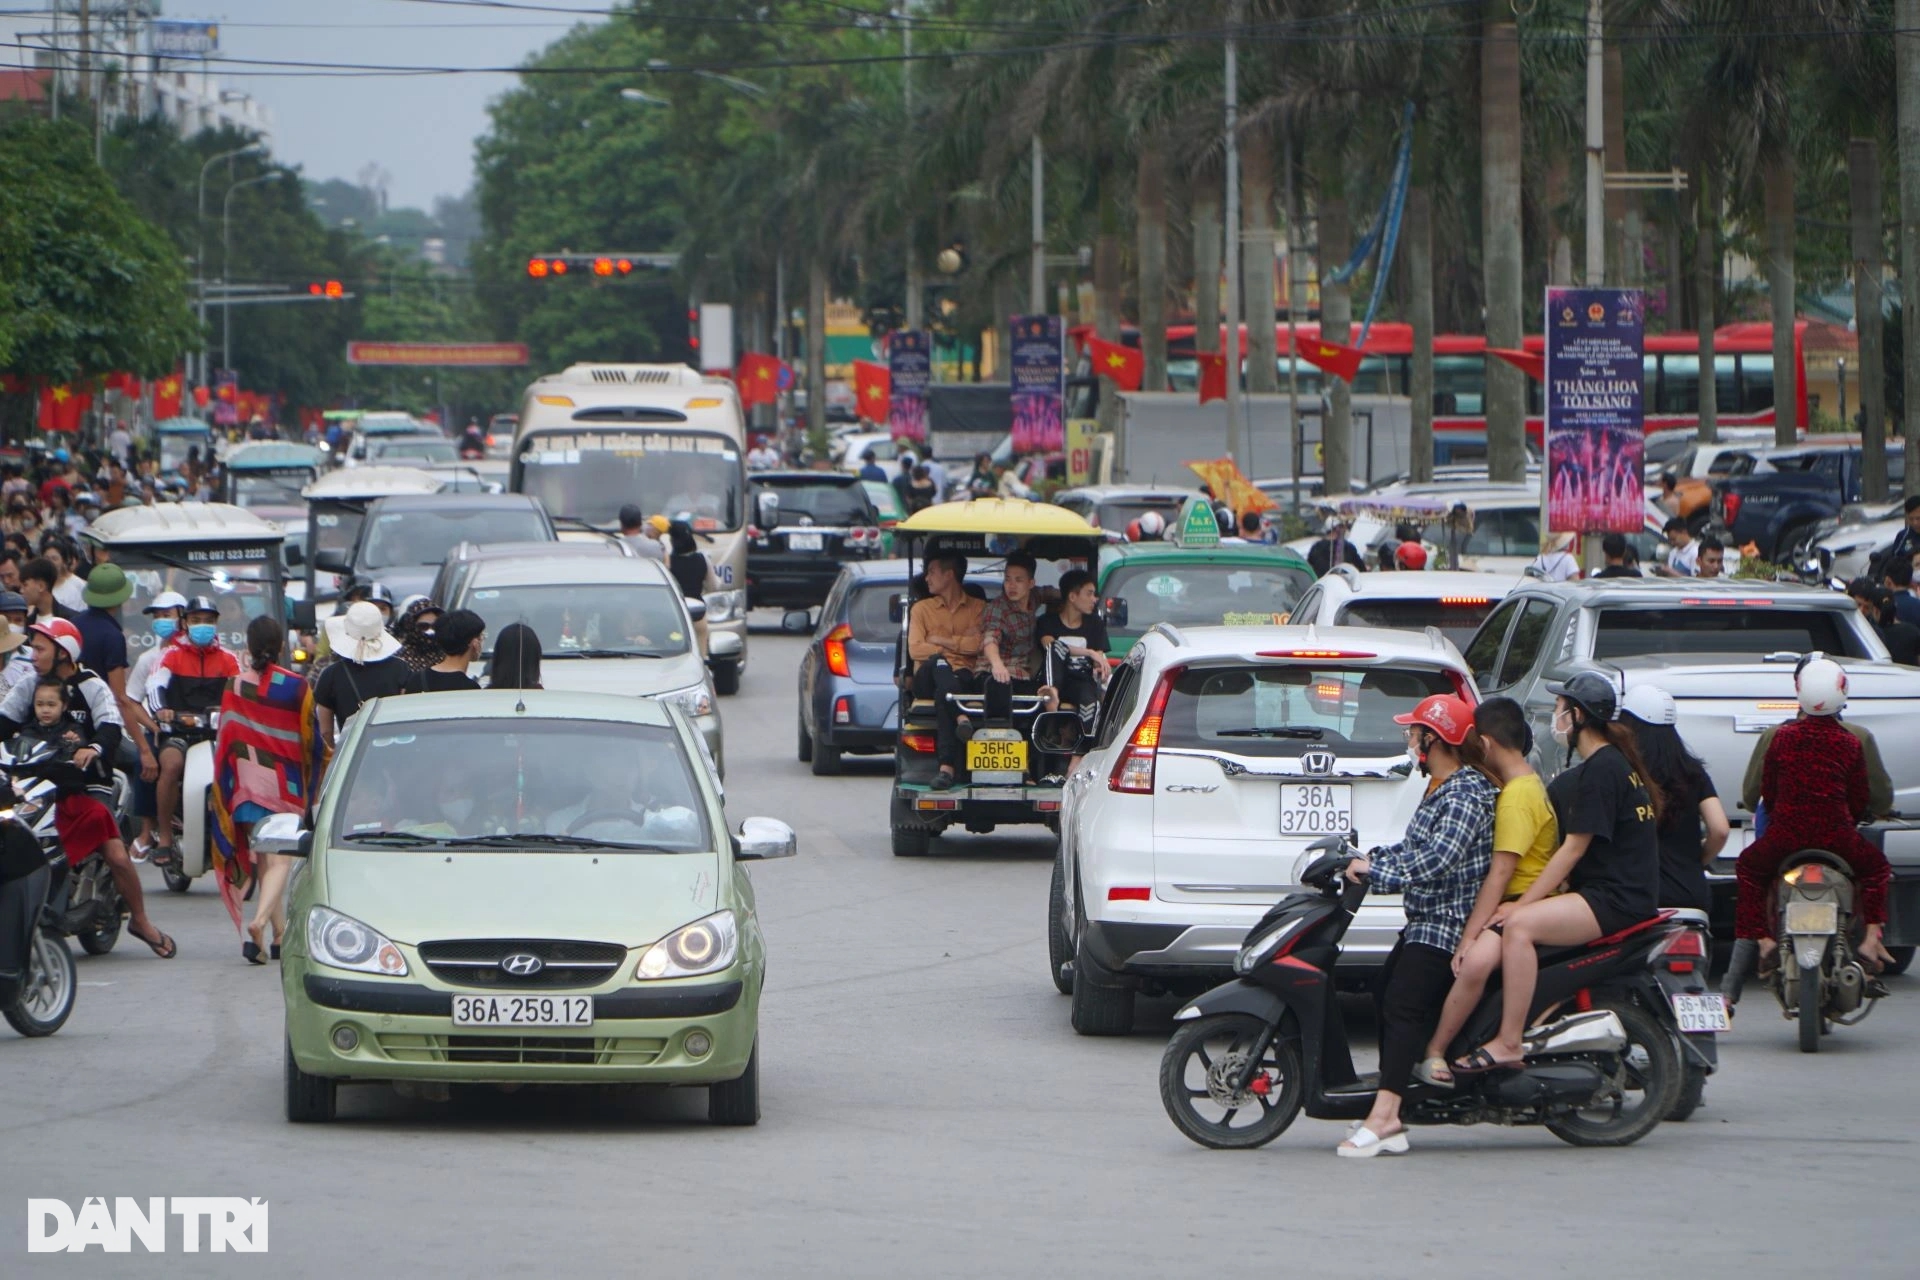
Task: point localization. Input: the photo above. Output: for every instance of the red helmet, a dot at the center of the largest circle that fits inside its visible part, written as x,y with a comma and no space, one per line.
1410,555
62,633
1446,714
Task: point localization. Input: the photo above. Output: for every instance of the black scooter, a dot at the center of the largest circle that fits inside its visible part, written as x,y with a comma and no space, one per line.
1248,1056
37,978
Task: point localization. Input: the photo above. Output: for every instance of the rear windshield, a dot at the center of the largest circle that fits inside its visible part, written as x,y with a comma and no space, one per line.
1119,514
825,504
1737,630
867,613
425,537
1272,710
1457,621
1199,593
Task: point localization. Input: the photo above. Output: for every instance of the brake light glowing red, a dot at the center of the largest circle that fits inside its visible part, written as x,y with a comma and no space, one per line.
1313,653
1685,942
1730,505
921,742
1463,600
1136,893
835,647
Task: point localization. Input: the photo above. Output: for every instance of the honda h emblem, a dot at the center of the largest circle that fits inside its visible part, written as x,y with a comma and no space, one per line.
522,965
1316,761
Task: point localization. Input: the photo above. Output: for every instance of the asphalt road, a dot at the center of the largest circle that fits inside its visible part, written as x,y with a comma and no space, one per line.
928,1112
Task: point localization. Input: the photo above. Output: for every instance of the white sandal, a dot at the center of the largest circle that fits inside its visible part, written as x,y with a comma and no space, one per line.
1365,1144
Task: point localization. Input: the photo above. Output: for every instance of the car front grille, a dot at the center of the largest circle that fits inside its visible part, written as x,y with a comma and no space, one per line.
582,1051
477,962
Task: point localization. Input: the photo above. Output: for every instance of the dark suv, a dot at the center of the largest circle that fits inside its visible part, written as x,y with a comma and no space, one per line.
805,525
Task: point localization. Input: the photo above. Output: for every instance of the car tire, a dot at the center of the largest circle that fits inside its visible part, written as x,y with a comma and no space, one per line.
1902,960
826,760
910,838
1059,946
310,1099
726,678
1102,1002
737,1102
805,748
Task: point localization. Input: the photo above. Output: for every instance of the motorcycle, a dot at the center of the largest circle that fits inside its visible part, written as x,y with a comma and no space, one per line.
37,978
191,823
1699,1011
1818,977
1251,1054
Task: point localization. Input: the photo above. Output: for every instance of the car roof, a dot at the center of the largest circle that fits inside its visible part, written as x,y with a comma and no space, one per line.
457,502
371,482
516,705
1119,553
1674,590
180,522
476,552
1428,585
843,479
1183,644
535,569
271,453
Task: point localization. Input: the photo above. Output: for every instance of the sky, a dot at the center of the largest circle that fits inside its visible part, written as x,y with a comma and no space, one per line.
420,129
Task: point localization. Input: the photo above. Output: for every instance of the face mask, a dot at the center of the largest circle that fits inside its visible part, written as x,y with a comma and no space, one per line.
163,629
457,810
203,633
1562,728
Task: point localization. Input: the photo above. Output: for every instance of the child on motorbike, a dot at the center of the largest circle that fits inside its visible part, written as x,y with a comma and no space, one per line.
1814,784
1437,868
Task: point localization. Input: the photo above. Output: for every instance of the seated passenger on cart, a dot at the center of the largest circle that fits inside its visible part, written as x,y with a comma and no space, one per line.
944,639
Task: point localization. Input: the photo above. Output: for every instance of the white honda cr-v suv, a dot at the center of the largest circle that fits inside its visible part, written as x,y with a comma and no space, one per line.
1221,754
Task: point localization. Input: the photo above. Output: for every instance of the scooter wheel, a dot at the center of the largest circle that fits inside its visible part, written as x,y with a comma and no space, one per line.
1196,1073
47,998
1650,1071
177,881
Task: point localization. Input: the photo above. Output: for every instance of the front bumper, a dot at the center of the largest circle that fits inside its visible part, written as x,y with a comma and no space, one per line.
405,1032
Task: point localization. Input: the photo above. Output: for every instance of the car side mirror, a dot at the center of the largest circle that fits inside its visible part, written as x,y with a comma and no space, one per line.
303,616
1058,732
1117,612
896,606
295,557
696,609
796,622
763,838
331,560
281,833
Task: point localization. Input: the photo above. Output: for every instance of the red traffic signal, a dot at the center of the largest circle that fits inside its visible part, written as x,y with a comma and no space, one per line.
537,268
597,264
326,289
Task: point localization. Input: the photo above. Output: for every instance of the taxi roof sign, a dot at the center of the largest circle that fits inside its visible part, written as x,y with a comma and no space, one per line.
1197,526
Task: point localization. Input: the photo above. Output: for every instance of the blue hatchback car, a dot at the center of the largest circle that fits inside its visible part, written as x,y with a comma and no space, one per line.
848,701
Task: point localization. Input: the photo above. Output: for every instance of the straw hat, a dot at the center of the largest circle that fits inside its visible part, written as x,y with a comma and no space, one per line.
1556,542
360,634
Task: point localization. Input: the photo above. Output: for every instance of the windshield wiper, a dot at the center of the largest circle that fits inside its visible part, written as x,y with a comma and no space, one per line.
601,653
1285,731
398,839
555,841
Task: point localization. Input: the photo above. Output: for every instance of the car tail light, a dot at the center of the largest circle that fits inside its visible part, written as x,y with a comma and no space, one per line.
1729,507
921,742
1313,653
1463,600
1133,771
1132,893
843,710
835,646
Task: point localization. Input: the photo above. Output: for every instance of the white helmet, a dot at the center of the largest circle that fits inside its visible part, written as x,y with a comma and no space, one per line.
1822,686
1650,704
1152,525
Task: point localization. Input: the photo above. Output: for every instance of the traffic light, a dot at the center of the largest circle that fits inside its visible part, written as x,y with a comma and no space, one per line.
595,264
326,289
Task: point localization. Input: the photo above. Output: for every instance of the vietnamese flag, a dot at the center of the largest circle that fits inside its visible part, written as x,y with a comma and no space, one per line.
126,384
1122,364
1531,363
1340,361
1213,376
61,407
761,378
872,389
166,397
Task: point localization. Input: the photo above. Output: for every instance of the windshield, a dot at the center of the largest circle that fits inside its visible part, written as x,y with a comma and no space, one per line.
1456,617
174,447
1285,710
1191,594
424,537
522,783
270,488
1730,629
1117,515
435,450
591,475
813,503
336,528
581,621
241,580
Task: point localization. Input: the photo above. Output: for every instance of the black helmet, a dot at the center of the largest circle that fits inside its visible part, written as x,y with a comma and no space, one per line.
201,604
379,593
1592,693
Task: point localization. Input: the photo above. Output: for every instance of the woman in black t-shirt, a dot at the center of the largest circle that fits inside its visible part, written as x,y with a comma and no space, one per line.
1609,855
1693,824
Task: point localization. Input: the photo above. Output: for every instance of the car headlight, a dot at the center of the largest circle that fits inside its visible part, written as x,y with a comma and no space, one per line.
344,943
1261,949
722,606
695,700
705,946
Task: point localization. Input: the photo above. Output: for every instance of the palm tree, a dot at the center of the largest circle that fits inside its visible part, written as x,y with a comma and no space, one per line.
1501,242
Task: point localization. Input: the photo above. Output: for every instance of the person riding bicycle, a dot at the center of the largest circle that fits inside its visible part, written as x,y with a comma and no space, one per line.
183,693
1814,784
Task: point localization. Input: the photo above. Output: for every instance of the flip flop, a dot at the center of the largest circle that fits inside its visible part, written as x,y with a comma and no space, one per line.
1364,1144
1480,1062
165,856
163,946
1425,1073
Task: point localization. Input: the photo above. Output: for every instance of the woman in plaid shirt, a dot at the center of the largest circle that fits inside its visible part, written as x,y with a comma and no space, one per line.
1437,869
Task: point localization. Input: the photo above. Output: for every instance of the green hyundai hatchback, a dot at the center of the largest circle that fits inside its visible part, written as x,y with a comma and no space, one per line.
515,888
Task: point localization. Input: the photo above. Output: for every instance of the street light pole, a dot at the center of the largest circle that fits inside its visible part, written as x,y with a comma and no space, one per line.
1236,433
200,245
226,255
1037,275
1596,148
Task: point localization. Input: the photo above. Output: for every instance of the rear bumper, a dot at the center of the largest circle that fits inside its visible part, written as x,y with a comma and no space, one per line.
873,712
1203,950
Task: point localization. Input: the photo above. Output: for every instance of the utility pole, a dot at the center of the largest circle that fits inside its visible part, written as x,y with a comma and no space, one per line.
1037,273
1236,426
1596,149
1906,43
916,303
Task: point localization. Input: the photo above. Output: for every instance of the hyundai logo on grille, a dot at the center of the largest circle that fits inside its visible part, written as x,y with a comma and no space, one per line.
523,965
1317,761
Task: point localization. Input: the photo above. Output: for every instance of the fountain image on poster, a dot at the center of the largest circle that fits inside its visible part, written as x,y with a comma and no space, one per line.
1596,410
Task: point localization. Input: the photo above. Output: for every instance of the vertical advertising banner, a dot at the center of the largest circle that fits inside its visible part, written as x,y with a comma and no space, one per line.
1596,410
910,368
226,397
1036,364
1079,433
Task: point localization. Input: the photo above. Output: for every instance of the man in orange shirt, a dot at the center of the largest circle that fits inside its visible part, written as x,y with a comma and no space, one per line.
944,636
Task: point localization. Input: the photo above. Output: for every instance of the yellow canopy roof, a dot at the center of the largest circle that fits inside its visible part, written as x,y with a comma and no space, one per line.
1017,516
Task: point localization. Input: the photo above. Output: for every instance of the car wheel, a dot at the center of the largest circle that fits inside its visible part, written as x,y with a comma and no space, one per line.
726,678
805,748
910,838
737,1102
1059,946
826,760
1102,1002
309,1099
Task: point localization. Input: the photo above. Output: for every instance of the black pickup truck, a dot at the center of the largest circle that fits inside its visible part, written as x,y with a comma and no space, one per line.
1775,498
